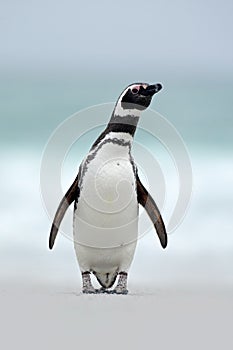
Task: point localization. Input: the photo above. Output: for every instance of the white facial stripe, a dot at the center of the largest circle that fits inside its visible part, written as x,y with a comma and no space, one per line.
124,112
137,87
131,87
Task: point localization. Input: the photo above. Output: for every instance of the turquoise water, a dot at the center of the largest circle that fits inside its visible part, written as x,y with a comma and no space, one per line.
32,107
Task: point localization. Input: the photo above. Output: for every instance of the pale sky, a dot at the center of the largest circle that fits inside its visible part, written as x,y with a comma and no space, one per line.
191,35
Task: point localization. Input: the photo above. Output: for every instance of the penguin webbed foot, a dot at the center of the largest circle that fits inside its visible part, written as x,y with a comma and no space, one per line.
121,287
103,290
89,291
87,285
112,291
119,290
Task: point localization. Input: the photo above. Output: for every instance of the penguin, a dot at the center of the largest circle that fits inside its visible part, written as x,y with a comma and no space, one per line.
106,194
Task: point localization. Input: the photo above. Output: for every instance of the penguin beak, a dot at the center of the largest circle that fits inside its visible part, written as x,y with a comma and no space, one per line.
153,89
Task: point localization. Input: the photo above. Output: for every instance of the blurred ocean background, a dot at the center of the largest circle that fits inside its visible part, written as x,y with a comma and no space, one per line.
60,57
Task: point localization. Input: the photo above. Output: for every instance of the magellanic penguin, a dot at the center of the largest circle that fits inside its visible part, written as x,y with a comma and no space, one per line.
106,194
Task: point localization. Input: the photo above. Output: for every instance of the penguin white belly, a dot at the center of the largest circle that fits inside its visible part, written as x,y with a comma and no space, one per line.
106,217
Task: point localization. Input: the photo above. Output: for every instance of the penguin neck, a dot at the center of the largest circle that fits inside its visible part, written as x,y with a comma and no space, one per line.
124,120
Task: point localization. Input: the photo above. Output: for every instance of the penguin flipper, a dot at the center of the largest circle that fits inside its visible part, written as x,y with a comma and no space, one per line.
145,199
70,196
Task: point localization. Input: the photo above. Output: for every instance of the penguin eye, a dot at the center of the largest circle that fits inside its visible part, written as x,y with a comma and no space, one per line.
135,90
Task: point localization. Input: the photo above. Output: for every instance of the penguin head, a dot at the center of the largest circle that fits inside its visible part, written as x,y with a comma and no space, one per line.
138,96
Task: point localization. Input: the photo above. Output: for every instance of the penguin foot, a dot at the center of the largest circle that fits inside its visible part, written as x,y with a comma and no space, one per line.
121,287
89,291
102,290
87,286
122,291
111,291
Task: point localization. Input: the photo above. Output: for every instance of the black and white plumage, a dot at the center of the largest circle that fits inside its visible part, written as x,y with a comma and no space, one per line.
106,194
